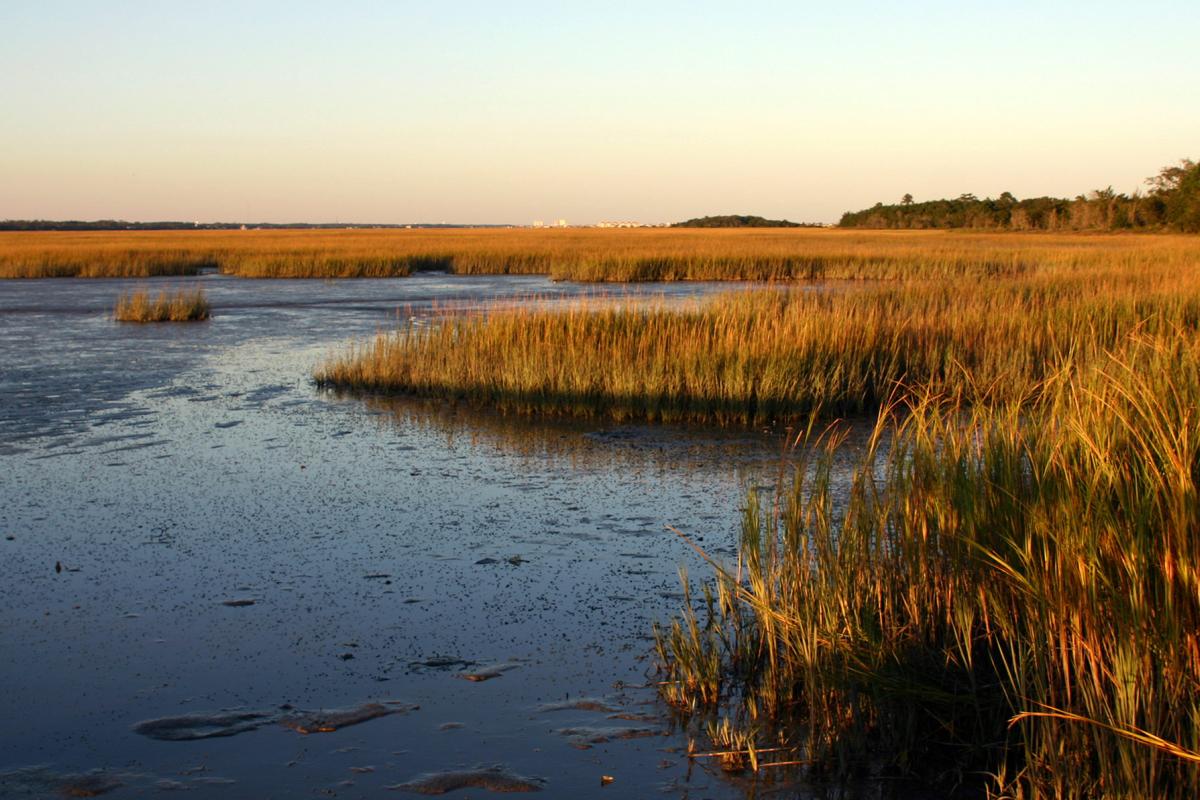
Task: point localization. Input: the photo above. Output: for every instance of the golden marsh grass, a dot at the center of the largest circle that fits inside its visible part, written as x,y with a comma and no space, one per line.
185,305
775,355
581,254
1008,592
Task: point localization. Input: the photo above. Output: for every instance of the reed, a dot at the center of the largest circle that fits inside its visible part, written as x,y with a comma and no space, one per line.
774,355
179,306
582,254
1008,591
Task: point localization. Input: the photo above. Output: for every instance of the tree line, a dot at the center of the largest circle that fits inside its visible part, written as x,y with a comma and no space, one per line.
741,221
1171,202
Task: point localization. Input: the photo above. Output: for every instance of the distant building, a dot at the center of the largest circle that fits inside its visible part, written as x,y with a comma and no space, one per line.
537,223
562,223
621,224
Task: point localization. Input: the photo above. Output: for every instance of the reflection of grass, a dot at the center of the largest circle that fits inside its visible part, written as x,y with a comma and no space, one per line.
770,355
1011,590
573,443
180,306
592,255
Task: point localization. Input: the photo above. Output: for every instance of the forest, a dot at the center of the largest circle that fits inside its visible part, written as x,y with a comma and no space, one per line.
1171,202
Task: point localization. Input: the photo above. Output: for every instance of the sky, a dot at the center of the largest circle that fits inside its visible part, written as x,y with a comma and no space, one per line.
507,112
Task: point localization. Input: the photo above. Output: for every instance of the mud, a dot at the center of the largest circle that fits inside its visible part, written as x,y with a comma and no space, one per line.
331,721
46,782
486,673
578,704
492,779
585,737
194,727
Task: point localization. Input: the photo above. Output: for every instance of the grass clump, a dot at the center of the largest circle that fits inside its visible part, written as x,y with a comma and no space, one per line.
1007,591
180,306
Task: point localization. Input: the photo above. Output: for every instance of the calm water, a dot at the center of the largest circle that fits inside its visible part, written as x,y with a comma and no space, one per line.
388,550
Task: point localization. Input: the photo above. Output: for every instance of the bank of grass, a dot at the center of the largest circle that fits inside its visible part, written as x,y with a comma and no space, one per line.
582,254
1009,601
185,305
774,355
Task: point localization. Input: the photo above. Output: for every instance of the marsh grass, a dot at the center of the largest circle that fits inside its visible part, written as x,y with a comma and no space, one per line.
774,355
581,254
1010,591
180,306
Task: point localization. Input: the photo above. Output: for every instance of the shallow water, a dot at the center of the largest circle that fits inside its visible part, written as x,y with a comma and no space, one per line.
189,527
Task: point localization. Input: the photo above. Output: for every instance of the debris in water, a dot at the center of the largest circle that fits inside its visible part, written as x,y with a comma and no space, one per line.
597,704
238,603
630,716
492,779
330,721
486,561
43,782
91,785
584,738
488,672
442,662
192,727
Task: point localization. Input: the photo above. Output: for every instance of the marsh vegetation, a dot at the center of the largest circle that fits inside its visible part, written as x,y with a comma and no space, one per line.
582,254
184,305
775,355
1007,599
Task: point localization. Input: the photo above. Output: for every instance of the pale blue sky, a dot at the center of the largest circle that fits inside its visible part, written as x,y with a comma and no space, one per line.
507,112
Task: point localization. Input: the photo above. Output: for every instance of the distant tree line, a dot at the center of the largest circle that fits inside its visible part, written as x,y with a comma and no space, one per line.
1172,202
741,221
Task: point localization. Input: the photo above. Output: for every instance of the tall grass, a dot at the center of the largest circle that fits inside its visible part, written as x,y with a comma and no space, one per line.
180,306
581,254
764,356
1009,591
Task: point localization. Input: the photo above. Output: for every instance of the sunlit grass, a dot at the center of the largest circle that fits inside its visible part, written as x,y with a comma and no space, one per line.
180,306
1009,592
774,355
582,254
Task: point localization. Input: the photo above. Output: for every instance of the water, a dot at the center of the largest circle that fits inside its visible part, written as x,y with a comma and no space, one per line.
151,474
